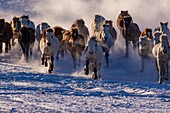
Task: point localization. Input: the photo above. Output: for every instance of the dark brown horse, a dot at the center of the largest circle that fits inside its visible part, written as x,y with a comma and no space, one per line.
16,25
5,35
75,44
26,40
130,32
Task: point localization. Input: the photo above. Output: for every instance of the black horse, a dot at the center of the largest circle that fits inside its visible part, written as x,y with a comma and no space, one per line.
26,40
6,35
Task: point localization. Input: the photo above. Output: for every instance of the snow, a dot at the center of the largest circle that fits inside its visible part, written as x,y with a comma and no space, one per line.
27,87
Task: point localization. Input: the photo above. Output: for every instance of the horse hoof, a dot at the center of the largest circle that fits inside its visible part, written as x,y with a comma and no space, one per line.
94,77
141,71
49,71
160,82
86,73
46,64
166,78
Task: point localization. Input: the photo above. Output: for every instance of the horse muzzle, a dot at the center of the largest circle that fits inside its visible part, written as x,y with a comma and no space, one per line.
91,53
48,44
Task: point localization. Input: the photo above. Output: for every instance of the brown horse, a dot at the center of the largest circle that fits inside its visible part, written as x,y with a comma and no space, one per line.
16,25
130,32
58,32
75,44
5,35
26,40
82,29
121,16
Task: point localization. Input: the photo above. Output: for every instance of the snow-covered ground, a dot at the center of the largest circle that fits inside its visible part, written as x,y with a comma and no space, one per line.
27,87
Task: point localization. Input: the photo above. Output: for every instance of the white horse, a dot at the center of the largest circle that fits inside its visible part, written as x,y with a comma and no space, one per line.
39,30
96,25
94,57
25,21
106,41
161,54
49,46
156,37
145,49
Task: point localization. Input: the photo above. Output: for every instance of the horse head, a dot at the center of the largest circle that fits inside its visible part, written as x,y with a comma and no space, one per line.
164,43
105,30
72,36
80,23
92,46
16,24
157,35
147,32
143,44
49,36
125,23
164,27
25,20
2,25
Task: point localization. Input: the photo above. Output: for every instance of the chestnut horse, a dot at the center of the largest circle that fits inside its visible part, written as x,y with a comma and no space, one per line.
6,35
75,44
16,25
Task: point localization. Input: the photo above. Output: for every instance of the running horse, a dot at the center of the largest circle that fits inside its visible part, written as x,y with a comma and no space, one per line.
16,25
129,30
6,35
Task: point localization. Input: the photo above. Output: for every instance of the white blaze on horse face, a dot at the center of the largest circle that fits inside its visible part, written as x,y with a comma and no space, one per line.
16,26
49,38
149,34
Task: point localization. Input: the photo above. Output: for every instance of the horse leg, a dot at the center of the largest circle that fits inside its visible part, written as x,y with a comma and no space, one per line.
160,68
42,59
13,41
166,71
142,64
98,69
94,75
0,47
6,47
51,64
46,64
107,58
74,60
86,69
127,48
57,56
27,54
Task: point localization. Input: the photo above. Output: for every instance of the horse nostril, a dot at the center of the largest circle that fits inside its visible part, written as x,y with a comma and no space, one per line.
48,44
91,53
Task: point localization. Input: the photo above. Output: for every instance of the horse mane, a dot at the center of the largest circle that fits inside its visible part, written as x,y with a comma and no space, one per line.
49,30
25,16
58,30
2,20
80,21
146,30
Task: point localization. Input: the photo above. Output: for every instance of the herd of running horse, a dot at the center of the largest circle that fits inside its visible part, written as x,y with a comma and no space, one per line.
54,42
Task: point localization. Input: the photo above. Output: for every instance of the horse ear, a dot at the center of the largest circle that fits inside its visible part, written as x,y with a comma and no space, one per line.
160,23
166,23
